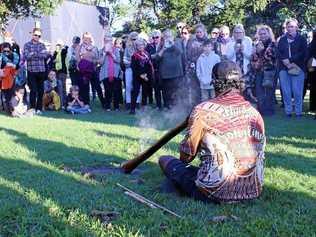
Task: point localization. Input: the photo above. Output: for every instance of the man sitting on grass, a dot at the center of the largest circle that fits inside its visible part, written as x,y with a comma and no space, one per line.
228,134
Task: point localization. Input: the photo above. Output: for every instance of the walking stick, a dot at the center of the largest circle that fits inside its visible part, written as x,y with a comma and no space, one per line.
130,165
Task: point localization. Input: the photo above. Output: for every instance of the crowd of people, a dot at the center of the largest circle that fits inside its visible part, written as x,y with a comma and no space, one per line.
165,70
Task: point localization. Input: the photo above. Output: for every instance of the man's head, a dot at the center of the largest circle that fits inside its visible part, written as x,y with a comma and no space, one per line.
208,46
214,33
185,33
36,35
168,38
226,76
156,36
6,48
76,40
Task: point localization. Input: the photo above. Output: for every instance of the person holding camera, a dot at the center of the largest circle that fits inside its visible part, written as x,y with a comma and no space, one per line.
171,70
240,49
262,75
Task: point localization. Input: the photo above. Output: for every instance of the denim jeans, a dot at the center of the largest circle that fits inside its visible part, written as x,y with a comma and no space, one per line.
292,85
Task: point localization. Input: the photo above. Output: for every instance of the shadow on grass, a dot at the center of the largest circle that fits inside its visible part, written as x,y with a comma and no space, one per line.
297,163
133,139
68,191
21,216
15,217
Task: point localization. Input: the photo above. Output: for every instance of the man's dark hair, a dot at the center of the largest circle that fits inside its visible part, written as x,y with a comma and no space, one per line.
17,88
6,45
227,75
207,42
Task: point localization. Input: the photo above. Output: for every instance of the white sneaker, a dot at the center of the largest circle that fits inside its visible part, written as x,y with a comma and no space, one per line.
38,112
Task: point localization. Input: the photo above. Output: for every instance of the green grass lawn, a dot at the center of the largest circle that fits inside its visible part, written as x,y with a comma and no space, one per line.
39,198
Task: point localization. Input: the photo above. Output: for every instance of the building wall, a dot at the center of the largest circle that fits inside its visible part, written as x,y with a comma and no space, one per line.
69,19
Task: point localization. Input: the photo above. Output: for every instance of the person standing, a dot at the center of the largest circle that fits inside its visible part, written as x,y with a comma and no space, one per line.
9,62
223,40
88,56
60,59
292,50
110,72
195,49
204,67
143,71
240,49
171,71
73,63
312,73
153,50
35,54
130,49
261,78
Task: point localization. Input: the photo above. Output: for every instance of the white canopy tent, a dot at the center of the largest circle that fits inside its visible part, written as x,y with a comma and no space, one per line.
70,19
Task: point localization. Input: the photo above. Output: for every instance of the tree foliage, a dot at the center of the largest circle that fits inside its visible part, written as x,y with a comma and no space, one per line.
165,13
25,8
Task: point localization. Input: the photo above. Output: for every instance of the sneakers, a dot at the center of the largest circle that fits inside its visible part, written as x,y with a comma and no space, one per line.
38,112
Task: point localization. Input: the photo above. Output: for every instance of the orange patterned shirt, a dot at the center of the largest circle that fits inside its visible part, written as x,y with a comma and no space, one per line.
228,134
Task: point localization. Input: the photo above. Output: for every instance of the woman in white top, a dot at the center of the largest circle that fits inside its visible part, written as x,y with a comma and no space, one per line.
239,50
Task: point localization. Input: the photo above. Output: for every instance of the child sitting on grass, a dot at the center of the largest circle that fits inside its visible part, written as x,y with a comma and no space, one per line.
18,108
51,100
75,104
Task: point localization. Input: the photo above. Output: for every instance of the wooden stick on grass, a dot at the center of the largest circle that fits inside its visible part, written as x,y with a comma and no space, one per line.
146,201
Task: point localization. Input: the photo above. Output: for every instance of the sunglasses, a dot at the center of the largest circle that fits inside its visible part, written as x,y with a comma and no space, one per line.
215,33
185,33
156,37
39,36
6,51
134,39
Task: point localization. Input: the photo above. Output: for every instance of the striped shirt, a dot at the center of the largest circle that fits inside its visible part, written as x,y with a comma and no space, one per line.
35,55
228,134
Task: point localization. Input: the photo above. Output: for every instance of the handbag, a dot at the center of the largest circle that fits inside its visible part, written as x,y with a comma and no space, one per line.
294,71
268,78
310,66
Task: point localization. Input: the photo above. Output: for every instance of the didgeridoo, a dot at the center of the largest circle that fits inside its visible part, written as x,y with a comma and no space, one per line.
130,165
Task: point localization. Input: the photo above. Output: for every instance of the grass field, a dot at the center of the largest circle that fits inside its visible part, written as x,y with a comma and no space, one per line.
39,196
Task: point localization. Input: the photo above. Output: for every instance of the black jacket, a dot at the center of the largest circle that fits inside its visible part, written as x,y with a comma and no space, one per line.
171,64
298,51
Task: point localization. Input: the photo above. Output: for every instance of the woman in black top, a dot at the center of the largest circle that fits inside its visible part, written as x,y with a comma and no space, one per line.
142,73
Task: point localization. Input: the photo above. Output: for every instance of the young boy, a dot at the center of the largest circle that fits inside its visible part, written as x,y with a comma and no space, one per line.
204,67
17,106
51,100
75,104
